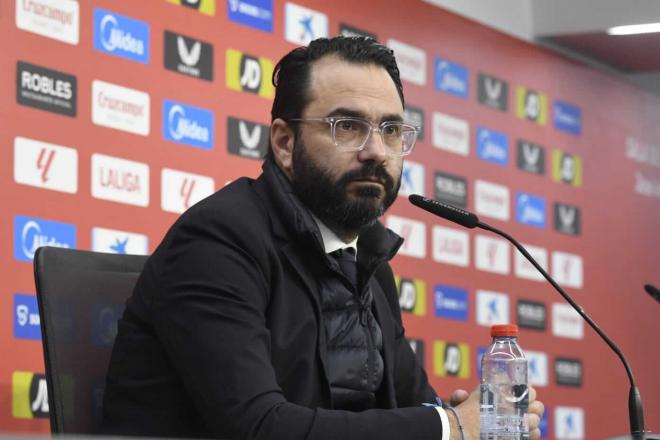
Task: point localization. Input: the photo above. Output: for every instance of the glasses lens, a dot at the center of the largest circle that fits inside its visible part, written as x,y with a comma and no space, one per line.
350,134
399,137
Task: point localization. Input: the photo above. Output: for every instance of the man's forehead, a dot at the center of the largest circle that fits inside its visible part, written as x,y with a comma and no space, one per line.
364,88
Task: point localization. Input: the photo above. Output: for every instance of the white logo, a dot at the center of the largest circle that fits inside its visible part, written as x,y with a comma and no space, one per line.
119,242
120,180
531,154
566,322
120,108
569,423
56,19
24,317
180,190
414,234
525,269
492,308
411,61
31,229
304,25
251,76
491,200
493,88
537,368
451,134
567,269
451,246
642,152
452,359
181,127
249,139
407,295
40,403
412,179
492,254
45,165
567,216
117,38
189,57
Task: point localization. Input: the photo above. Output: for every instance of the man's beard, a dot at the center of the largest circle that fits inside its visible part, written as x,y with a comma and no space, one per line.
329,199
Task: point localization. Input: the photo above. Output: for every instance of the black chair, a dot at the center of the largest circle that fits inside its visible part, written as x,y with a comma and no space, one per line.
81,296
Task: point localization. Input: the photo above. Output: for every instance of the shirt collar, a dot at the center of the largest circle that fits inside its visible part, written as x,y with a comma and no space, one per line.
331,242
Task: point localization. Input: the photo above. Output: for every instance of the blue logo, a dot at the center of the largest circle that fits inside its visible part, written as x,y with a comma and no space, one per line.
492,146
27,324
104,325
31,233
451,78
480,355
530,210
450,302
187,124
121,36
254,13
567,117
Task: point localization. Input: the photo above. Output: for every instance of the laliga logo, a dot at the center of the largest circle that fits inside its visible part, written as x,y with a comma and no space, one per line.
114,38
181,127
32,239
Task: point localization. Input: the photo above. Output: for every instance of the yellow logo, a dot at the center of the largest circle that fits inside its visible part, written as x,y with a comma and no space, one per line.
412,295
451,359
566,168
204,6
29,395
531,105
249,74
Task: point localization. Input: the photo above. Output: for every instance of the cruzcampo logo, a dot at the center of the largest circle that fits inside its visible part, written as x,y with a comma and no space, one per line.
206,7
412,295
249,74
451,359
531,105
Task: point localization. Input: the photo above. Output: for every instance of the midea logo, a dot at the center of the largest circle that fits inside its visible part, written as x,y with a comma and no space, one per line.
113,37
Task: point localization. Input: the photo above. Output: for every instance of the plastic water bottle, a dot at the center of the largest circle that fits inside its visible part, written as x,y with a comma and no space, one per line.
504,391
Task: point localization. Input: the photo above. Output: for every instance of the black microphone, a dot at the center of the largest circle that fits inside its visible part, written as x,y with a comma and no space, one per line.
653,291
469,220
443,210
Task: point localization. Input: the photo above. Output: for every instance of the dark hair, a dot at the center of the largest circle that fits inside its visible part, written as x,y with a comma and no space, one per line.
291,74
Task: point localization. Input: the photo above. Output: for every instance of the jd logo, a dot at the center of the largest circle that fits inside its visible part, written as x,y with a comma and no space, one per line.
407,295
250,73
532,105
567,168
190,56
452,359
195,4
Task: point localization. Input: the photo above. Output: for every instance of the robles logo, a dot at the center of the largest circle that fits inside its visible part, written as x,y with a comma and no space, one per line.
186,124
451,189
121,36
30,233
46,89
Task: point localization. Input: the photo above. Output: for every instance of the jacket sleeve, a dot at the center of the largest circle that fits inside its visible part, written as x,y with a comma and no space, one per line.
410,380
208,310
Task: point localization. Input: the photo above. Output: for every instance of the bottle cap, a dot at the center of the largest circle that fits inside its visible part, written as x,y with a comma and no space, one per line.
504,330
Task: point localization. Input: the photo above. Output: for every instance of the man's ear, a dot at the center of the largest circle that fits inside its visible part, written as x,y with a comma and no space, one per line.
281,142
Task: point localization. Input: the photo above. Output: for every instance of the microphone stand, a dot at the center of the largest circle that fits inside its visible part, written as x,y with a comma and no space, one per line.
635,410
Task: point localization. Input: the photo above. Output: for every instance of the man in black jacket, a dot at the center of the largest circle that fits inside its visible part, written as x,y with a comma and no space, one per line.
269,311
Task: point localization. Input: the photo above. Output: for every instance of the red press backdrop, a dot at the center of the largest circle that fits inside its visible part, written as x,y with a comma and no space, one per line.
563,157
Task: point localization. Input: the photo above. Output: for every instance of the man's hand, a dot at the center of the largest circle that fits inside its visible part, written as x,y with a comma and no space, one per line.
467,406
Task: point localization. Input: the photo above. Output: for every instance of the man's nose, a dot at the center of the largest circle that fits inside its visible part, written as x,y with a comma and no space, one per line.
374,150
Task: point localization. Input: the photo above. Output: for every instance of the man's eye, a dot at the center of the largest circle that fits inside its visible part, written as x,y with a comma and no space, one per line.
393,130
346,125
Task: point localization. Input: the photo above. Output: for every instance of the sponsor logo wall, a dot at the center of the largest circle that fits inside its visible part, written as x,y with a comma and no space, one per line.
124,116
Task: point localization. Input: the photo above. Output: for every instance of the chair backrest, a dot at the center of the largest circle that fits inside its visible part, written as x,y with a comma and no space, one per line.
81,295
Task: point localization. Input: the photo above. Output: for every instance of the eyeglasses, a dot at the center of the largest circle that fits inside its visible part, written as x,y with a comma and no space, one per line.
352,134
